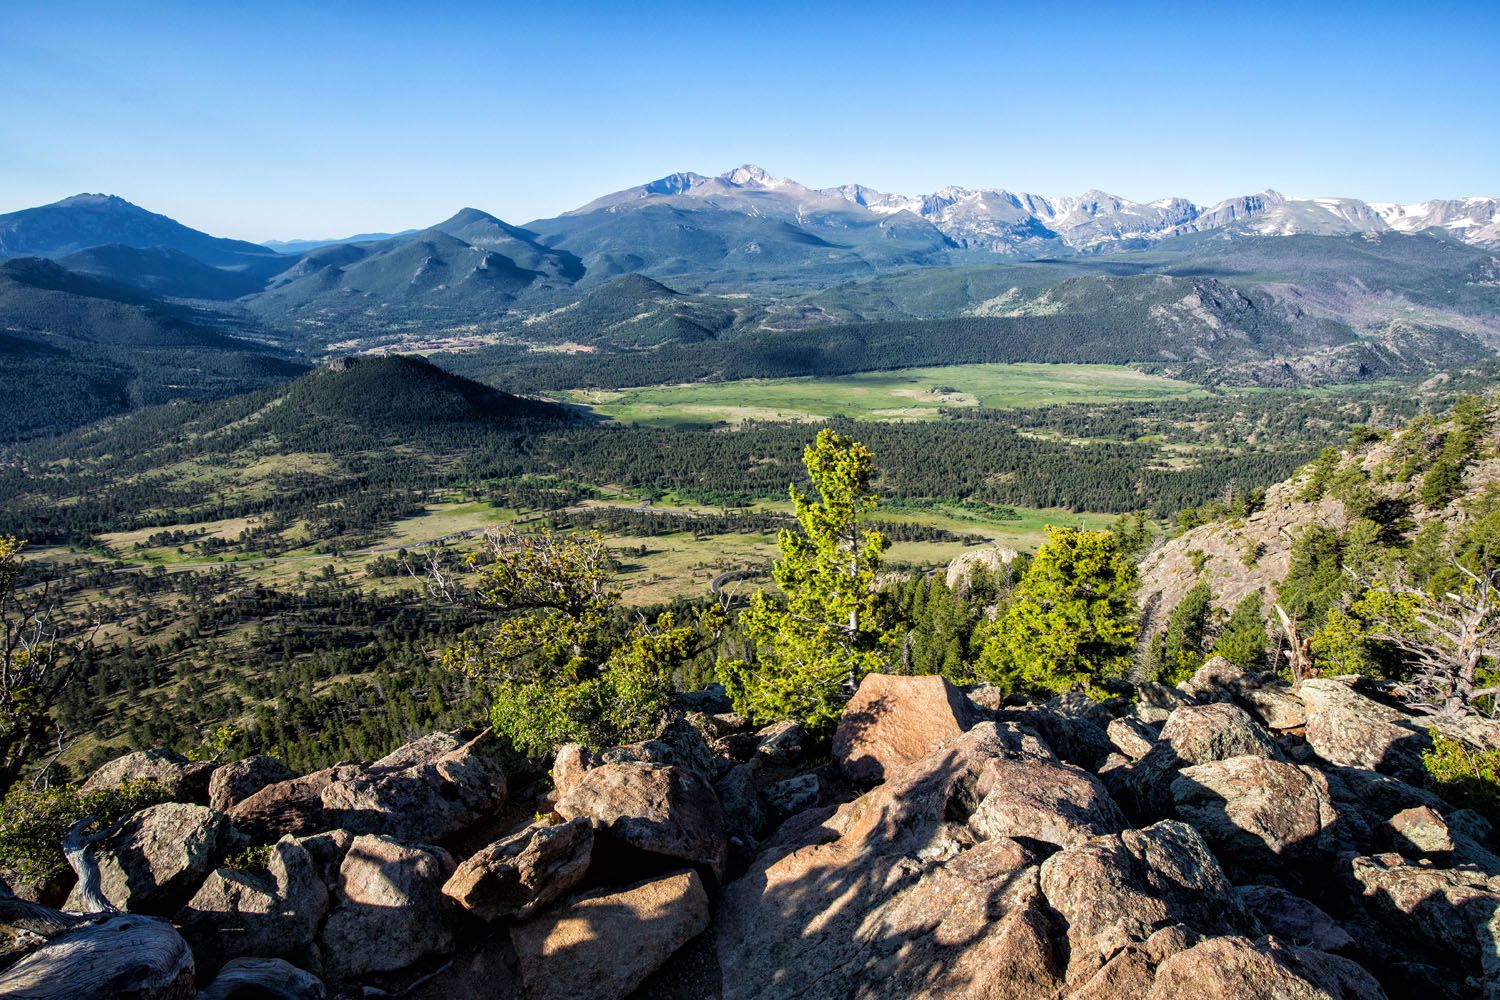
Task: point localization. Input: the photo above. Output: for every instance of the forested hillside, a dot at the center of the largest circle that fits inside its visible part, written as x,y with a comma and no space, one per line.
77,349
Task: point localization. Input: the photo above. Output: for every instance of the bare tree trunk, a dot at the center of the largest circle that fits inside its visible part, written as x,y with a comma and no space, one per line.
76,850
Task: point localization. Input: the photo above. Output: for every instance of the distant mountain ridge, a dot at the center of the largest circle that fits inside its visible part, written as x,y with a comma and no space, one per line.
303,246
93,220
1001,221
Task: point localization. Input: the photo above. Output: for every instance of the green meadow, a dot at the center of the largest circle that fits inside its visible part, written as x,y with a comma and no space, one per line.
902,394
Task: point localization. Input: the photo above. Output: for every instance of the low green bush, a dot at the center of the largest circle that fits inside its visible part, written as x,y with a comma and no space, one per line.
1470,779
34,821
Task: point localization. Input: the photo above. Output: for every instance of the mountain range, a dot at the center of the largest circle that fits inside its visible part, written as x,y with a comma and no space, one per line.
1004,222
743,274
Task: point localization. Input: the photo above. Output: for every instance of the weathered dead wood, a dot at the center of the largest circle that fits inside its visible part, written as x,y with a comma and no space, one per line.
76,849
19,916
263,979
120,956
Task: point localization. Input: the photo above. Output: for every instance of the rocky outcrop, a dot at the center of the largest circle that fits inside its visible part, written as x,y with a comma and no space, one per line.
1064,850
425,801
1116,891
601,946
516,876
389,910
659,809
274,913
1349,729
181,780
1258,814
158,857
239,779
893,720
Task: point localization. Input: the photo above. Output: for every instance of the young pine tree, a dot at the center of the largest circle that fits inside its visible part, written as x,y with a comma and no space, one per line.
1181,649
1072,623
816,640
1243,641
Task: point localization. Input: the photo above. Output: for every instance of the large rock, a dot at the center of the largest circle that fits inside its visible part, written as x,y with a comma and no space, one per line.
239,779
389,910
1193,734
1272,701
1199,734
660,809
572,762
793,795
1444,916
1156,702
895,895
420,751
183,780
1132,970
1216,680
1072,725
1420,830
601,947
516,876
783,742
894,720
740,798
158,857
1033,799
1292,918
1348,729
292,807
424,801
1246,970
678,743
1257,814
1131,737
269,914
1116,891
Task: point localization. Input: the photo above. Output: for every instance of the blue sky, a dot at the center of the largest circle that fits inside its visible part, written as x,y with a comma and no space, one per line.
276,120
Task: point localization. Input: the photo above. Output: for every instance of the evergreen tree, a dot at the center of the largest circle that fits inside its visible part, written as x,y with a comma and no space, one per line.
1243,641
1072,624
1315,580
558,668
1182,648
825,632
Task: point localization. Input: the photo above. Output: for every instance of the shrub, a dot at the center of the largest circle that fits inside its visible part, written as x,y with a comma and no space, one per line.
1470,779
34,821
255,858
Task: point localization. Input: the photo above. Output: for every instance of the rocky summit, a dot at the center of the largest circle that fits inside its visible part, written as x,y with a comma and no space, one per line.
1256,840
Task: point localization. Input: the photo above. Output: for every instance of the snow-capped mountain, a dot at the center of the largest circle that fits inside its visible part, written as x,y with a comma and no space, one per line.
1001,221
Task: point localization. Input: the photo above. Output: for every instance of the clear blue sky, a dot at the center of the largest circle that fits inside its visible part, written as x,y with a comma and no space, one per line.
269,120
